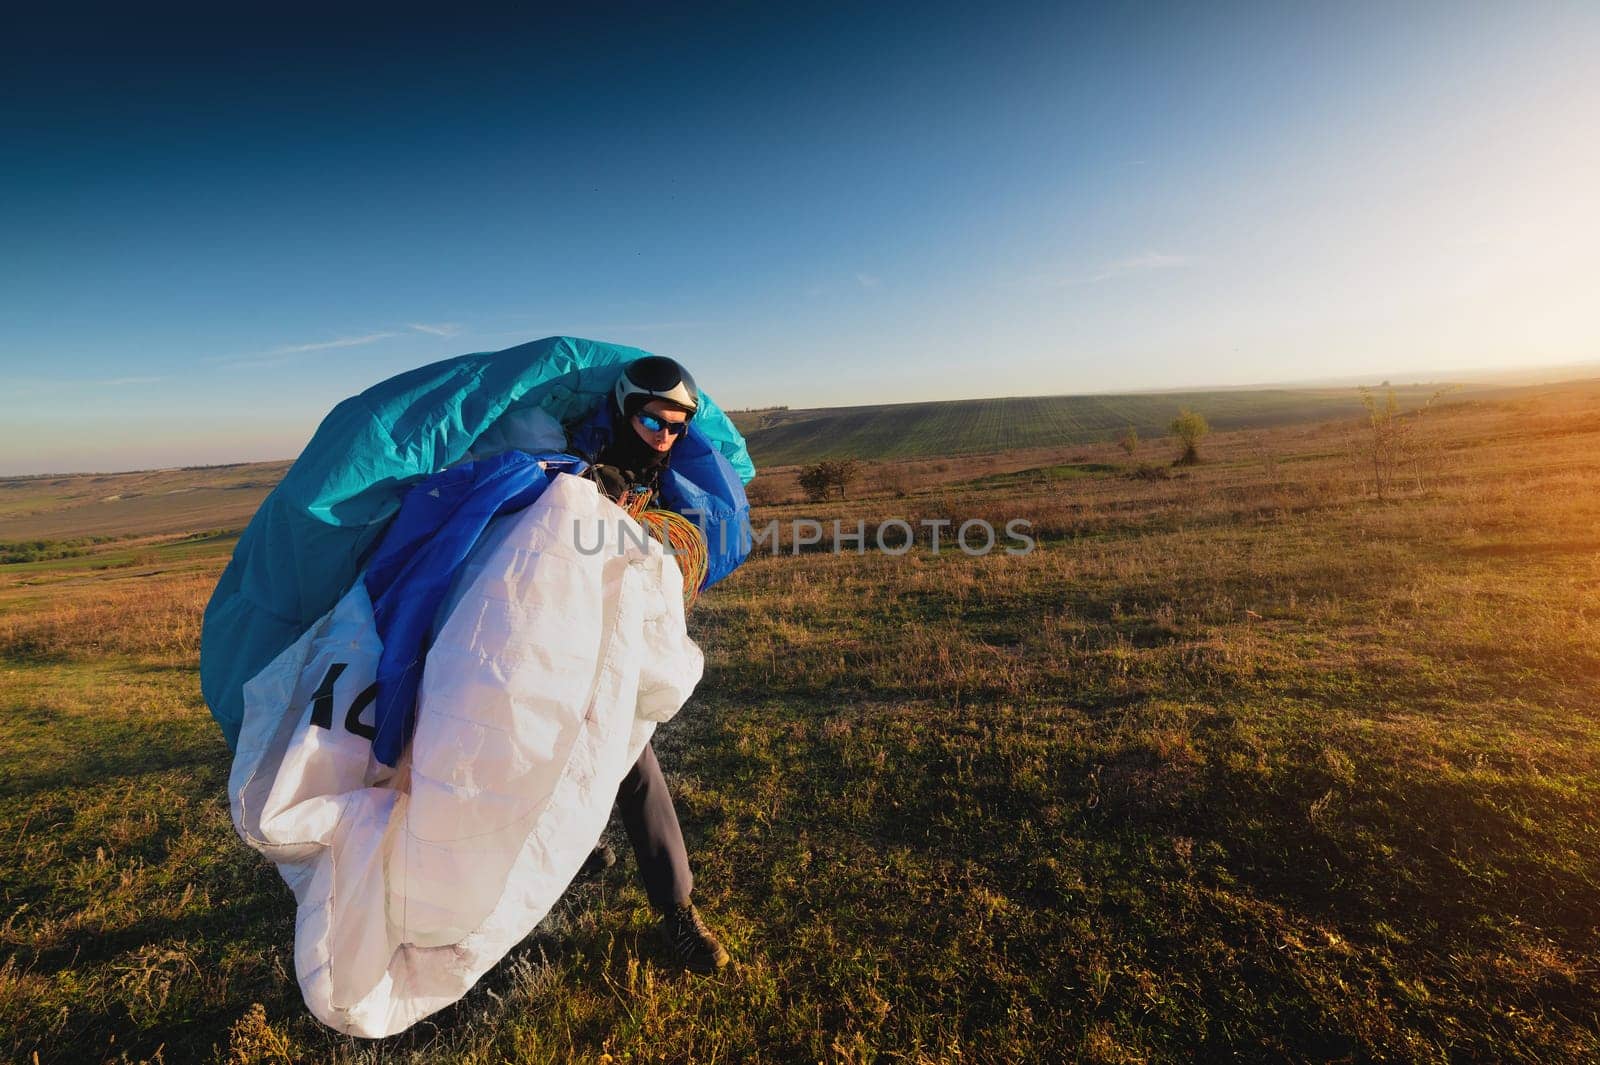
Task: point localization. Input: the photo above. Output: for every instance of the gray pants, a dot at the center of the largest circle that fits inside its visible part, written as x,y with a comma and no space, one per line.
652,826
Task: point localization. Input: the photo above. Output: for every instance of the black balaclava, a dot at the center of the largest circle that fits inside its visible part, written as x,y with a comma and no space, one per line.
638,462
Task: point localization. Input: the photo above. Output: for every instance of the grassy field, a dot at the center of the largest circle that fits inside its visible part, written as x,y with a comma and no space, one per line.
1239,763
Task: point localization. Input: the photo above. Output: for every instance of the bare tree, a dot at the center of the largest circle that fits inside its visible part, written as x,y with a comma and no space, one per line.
1396,442
821,479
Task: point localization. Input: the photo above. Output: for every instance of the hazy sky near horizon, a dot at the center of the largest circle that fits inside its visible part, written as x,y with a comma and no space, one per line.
219,226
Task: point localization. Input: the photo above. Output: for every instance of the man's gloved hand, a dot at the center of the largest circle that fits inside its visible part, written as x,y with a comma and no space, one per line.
613,481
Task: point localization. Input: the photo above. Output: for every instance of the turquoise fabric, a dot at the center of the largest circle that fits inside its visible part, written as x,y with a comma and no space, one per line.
307,542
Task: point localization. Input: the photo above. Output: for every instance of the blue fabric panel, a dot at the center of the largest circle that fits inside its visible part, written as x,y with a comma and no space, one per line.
418,559
701,484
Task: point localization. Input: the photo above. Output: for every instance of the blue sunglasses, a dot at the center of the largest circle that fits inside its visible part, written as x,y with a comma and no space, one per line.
652,424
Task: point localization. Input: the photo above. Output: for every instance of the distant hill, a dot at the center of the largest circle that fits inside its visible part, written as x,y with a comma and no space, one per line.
778,437
169,502
142,503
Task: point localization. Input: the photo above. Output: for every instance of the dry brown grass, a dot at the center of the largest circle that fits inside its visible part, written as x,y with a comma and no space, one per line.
1240,764
157,614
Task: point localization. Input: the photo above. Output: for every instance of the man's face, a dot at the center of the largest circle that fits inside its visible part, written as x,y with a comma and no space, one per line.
661,413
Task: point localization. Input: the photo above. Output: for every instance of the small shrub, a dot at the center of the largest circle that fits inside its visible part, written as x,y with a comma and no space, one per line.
762,493
1129,441
893,478
1190,427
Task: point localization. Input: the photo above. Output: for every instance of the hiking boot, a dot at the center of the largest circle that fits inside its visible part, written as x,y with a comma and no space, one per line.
600,859
690,942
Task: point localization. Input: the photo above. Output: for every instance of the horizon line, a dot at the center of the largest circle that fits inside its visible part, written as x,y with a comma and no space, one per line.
1484,376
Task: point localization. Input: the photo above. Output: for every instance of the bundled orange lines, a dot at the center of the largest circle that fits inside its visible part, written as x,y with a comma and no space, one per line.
687,543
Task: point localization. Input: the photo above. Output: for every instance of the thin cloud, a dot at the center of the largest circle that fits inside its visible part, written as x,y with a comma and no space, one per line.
1147,263
838,286
119,381
1151,260
342,342
646,327
280,355
524,334
438,329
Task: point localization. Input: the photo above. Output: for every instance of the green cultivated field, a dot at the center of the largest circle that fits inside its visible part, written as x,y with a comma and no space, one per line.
1240,764
959,427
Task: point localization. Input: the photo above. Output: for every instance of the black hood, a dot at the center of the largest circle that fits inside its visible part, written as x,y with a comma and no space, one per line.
630,453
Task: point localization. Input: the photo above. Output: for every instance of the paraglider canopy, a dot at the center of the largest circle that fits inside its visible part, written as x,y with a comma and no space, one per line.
309,539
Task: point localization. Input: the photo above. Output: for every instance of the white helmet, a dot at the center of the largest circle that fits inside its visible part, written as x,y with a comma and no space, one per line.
655,377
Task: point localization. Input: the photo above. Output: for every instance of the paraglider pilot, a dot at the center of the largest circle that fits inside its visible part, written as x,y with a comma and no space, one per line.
651,408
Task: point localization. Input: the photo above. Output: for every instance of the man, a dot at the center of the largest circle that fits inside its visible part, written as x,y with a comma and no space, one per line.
650,411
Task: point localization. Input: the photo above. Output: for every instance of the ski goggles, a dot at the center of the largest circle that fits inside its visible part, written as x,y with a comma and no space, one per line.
652,424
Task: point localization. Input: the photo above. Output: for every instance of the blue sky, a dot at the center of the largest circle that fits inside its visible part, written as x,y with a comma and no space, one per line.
216,230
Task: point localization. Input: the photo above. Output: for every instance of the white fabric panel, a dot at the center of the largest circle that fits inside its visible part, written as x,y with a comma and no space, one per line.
530,429
544,683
